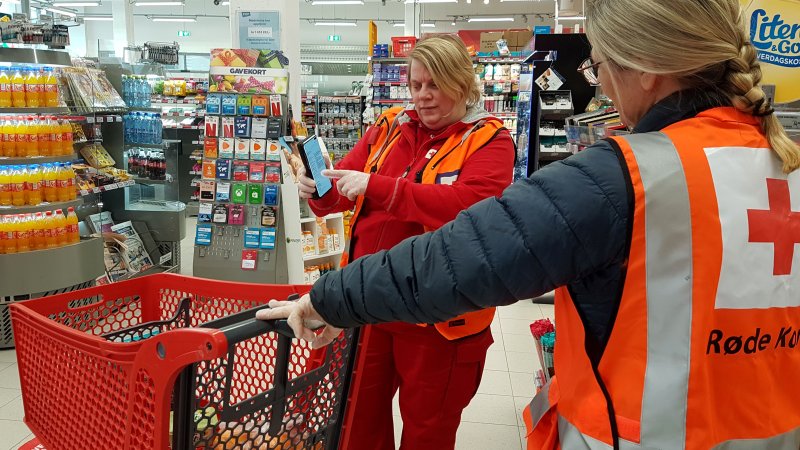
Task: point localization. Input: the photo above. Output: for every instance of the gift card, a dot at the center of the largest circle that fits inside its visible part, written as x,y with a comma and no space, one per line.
226,146
274,128
275,105
220,214
241,127
252,237
236,214
224,169
243,105
242,149
241,171
213,104
271,194
228,125
260,104
229,105
258,128
207,190
210,146
223,191
212,126
273,151
258,149
239,193
269,216
267,238
204,212
209,168
203,234
272,172
256,172
249,259
254,192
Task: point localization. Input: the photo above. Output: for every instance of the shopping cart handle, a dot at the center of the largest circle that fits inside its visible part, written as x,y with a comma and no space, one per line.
251,328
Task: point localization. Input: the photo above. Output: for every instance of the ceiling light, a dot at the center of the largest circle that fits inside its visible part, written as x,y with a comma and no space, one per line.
337,2
453,23
399,24
225,3
158,4
335,24
490,19
173,18
485,2
98,18
428,25
62,12
432,1
572,18
59,4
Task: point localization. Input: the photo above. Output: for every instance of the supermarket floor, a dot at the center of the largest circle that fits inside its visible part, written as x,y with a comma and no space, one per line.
492,421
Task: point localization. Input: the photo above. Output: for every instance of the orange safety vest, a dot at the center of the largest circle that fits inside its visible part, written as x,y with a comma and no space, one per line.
442,168
703,353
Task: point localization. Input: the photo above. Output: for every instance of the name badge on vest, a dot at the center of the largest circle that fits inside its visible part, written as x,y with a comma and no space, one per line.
448,177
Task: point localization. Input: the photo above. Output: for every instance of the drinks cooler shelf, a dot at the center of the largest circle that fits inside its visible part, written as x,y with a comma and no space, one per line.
51,206
38,159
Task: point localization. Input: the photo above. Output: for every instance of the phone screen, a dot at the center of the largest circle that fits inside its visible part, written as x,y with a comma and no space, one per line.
315,164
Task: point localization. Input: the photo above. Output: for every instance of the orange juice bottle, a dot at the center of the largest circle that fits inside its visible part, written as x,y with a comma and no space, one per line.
31,137
18,179
50,84
42,87
39,241
11,235
20,143
72,183
34,185
3,235
49,188
50,233
65,183
73,232
66,137
32,87
5,186
60,223
45,146
5,88
4,147
23,234
17,88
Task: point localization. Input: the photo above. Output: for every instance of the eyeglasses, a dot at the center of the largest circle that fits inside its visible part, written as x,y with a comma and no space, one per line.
587,68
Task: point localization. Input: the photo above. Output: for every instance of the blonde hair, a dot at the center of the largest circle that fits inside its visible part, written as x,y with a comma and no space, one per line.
704,44
447,60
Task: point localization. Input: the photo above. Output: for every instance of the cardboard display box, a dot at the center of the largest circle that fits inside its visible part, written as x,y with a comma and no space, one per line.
489,40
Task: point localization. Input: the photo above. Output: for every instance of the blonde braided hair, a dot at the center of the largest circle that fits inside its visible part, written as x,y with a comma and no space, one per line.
703,44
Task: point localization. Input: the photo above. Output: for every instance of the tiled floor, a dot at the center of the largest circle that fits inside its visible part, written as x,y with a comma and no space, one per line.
492,421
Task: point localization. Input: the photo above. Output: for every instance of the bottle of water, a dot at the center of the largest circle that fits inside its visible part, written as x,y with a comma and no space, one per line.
126,96
159,129
156,124
148,92
137,128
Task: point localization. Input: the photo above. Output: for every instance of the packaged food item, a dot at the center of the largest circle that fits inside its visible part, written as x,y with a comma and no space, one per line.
308,243
97,156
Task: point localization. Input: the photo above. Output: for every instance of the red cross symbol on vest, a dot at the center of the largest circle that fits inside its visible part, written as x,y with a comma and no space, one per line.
778,225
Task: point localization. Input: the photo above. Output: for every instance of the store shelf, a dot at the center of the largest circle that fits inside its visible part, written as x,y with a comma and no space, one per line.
107,187
176,100
196,157
322,256
129,145
35,56
389,83
308,113
38,159
109,118
75,263
200,113
27,209
497,59
151,109
314,219
505,115
553,156
499,81
389,60
195,172
148,181
56,110
184,127
386,100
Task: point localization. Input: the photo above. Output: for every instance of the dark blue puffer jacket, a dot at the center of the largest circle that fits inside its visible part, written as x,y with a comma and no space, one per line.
566,225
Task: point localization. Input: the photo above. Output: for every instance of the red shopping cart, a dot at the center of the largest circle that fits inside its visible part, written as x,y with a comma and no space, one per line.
167,361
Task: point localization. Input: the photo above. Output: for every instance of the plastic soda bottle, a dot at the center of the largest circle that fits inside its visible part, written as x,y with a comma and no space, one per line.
42,87
3,235
61,183
73,233
17,88
7,141
72,184
51,88
21,141
5,186
60,227
49,183
34,185
32,88
66,137
45,146
10,240
18,179
31,137
5,88
23,234
39,242
50,233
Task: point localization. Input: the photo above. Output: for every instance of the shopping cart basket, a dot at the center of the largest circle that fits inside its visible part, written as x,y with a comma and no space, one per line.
119,366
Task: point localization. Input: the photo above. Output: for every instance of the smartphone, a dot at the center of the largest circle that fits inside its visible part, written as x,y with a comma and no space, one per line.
311,152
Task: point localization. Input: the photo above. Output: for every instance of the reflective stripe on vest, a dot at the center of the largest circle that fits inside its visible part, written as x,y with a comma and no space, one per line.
697,191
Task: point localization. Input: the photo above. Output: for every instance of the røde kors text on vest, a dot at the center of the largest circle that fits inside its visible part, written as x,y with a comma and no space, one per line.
787,337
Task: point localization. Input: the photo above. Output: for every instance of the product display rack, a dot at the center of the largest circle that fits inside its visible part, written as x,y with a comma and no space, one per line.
308,112
501,90
70,266
388,86
339,121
